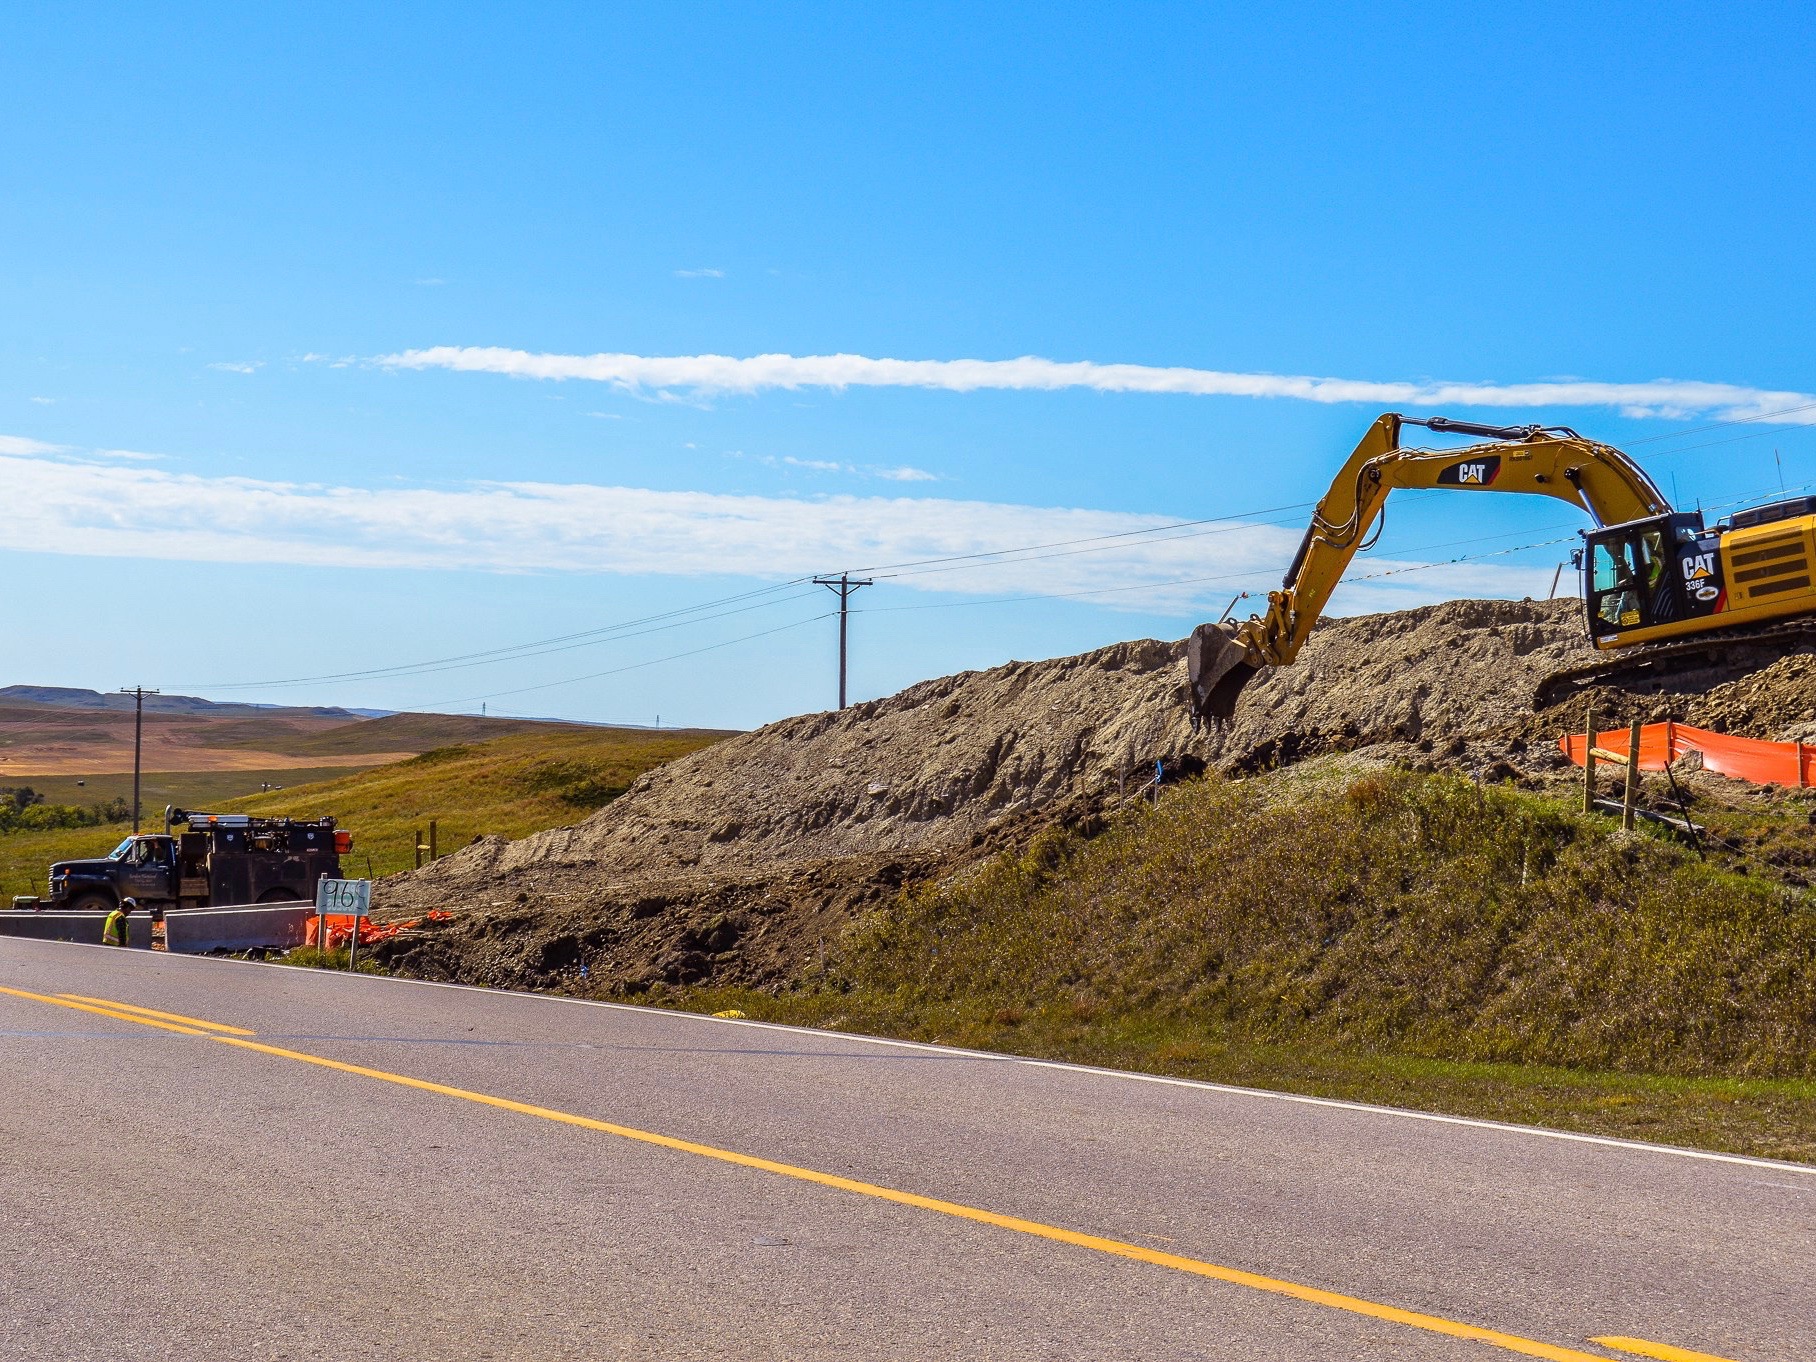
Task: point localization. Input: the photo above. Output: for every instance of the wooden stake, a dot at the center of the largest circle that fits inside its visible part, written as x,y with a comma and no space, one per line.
1632,775
1589,761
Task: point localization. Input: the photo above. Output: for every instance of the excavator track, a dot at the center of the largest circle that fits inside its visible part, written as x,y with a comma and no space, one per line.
1667,659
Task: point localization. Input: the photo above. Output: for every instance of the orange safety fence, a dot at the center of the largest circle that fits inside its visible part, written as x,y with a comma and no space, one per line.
1763,763
341,928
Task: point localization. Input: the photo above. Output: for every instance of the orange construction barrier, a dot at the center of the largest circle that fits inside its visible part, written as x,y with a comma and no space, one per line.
341,927
1763,763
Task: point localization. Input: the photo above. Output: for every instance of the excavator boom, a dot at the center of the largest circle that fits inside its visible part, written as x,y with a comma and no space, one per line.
1533,460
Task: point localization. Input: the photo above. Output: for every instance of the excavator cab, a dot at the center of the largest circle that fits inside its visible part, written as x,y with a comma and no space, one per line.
1648,573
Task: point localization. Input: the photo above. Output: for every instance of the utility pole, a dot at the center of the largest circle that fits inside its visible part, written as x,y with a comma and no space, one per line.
138,694
844,584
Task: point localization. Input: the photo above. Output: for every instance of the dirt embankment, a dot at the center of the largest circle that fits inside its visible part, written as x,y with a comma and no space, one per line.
741,863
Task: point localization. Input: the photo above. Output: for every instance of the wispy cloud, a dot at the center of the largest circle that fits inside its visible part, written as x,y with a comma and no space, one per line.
45,401
431,282
905,474
25,446
713,374
248,366
128,510
902,473
699,274
130,455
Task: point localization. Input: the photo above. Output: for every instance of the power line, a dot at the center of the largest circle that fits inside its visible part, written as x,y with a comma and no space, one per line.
1088,539
541,647
635,666
1260,573
1723,425
753,600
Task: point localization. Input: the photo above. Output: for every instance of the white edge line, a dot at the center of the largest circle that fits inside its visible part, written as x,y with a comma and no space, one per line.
1228,1089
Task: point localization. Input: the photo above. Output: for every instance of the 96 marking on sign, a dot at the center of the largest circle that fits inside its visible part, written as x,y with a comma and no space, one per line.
344,896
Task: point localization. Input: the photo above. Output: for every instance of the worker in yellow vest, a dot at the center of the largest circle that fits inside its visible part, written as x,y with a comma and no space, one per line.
113,931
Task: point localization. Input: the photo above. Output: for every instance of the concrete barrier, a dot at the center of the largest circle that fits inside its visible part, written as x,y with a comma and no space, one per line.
271,926
80,927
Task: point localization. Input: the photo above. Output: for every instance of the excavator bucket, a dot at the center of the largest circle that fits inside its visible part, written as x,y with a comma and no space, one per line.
1217,668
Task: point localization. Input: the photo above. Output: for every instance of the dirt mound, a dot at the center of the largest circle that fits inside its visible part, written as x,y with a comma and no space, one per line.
739,863
736,859
1433,679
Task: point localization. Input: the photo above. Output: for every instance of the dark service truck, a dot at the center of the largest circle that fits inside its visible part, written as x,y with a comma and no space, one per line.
224,859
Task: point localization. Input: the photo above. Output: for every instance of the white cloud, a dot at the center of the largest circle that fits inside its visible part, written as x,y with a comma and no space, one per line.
605,416
45,401
905,474
114,510
26,447
699,274
131,455
239,366
431,282
703,374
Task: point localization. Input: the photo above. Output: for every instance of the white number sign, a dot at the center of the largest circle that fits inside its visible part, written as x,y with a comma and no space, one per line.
344,896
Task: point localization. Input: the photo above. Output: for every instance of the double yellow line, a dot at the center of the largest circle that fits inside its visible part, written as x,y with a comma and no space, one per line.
1354,1305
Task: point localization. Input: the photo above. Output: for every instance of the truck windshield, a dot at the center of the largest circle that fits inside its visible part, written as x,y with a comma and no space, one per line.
120,852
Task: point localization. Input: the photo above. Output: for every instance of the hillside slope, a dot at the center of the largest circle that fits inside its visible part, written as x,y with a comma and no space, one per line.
539,777
739,863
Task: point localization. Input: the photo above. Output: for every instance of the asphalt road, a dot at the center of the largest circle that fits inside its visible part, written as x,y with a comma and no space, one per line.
486,1175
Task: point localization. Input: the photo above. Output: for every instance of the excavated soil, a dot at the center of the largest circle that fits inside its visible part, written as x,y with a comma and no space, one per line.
741,863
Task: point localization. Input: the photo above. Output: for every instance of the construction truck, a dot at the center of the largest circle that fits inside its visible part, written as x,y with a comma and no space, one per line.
219,860
1655,580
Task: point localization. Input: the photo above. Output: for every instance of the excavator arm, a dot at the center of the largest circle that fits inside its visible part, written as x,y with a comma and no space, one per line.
1538,461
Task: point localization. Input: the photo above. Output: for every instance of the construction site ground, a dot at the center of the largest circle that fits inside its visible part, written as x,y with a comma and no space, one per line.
742,865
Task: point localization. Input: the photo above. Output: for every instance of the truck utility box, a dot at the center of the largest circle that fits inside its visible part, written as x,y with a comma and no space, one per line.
222,860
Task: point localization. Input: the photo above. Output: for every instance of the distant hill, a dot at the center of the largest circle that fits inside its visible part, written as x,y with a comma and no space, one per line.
68,739
68,697
417,733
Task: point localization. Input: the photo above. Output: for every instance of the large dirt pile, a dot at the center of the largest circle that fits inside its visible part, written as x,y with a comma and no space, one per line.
741,862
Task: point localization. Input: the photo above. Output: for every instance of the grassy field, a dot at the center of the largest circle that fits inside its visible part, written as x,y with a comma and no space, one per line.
1386,937
540,777
512,786
185,789
415,733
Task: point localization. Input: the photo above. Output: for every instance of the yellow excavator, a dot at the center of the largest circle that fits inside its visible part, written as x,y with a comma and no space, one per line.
1653,578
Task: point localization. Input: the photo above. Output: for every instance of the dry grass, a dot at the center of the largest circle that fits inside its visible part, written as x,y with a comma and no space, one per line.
539,778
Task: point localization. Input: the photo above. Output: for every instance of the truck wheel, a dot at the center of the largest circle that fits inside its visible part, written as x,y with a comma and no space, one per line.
280,896
92,902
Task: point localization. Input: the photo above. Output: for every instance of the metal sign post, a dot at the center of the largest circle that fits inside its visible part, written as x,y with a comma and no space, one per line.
348,897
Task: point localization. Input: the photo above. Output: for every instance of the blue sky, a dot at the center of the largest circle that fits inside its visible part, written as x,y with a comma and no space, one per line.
279,293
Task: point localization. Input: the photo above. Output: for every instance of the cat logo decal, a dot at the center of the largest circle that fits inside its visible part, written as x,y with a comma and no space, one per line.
1478,472
1699,567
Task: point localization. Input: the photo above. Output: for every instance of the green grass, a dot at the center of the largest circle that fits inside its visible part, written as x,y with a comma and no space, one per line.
313,957
541,777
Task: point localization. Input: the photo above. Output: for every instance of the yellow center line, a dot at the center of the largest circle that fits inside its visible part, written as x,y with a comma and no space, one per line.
167,1016
1117,1248
103,1012
1663,1352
